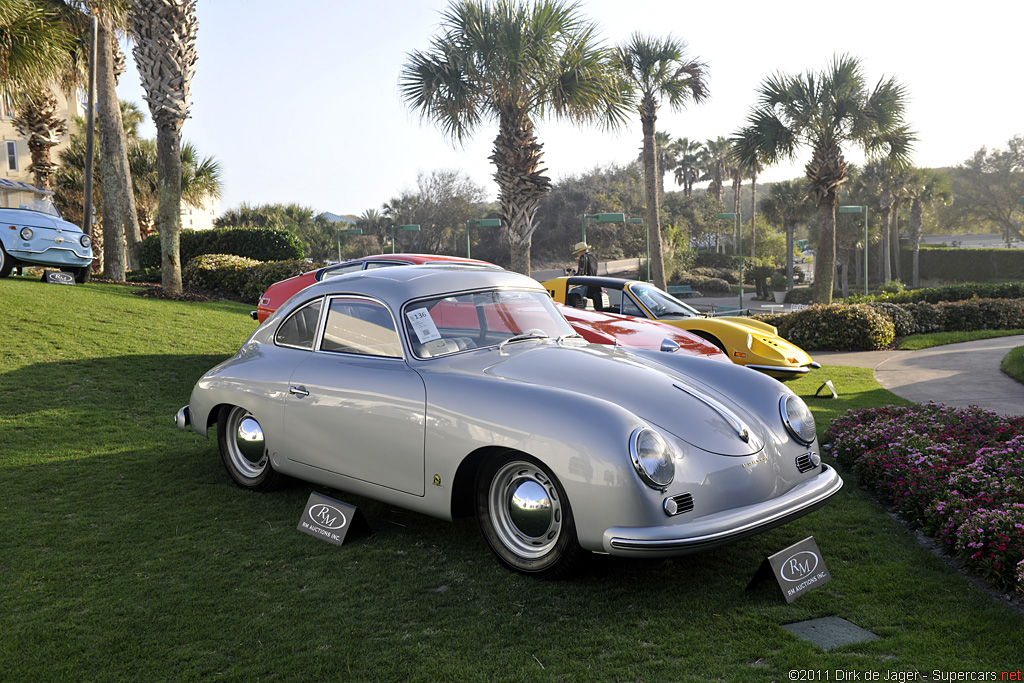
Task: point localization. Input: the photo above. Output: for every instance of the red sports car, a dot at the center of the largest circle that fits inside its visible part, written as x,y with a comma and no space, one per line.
594,326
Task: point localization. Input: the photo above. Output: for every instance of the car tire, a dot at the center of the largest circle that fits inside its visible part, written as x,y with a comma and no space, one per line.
81,274
537,540
713,340
244,452
6,262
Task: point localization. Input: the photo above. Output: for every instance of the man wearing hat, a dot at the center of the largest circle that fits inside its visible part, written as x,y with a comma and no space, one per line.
586,264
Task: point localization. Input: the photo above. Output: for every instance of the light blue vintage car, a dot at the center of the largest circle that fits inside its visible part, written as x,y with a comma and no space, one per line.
32,233
453,391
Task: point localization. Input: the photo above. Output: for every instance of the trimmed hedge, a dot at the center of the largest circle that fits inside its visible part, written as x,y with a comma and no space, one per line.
261,244
237,276
702,284
835,327
967,265
968,290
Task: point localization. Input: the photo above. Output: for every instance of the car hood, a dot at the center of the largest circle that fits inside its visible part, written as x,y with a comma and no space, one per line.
694,412
37,219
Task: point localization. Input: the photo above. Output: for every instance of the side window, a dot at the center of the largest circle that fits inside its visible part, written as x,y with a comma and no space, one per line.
629,307
360,326
370,265
299,330
341,270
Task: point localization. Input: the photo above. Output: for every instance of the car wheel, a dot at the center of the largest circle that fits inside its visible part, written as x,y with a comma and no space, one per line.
6,262
243,450
80,273
525,518
712,339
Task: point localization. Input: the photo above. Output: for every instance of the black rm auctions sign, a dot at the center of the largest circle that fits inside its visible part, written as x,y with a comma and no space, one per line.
797,569
58,277
330,520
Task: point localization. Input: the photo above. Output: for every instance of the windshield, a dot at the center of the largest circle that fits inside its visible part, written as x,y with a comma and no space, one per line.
42,205
660,304
446,325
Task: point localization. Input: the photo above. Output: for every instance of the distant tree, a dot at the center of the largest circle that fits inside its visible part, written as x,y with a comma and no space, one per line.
35,47
786,204
987,188
513,63
927,186
713,159
824,111
659,70
686,153
37,118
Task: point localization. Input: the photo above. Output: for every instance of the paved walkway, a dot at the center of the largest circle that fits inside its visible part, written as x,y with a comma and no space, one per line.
956,374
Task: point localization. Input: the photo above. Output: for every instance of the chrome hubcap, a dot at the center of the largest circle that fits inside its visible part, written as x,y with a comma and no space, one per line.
247,449
523,504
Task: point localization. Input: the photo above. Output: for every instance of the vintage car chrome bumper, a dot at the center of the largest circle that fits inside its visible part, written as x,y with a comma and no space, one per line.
183,418
724,527
802,370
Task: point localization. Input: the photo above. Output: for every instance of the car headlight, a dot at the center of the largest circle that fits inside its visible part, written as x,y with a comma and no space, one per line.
85,241
26,234
652,458
798,418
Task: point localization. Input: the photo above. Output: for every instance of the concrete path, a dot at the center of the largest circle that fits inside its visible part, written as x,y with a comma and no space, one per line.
956,374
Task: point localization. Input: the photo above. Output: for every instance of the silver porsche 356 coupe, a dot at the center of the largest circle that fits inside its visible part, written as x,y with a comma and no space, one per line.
449,390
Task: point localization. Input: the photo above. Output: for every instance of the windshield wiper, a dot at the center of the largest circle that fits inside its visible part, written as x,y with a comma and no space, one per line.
523,336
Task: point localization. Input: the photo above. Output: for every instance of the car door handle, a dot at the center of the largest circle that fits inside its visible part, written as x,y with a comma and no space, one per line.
298,391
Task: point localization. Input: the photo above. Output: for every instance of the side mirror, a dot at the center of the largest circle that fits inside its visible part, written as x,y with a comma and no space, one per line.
669,346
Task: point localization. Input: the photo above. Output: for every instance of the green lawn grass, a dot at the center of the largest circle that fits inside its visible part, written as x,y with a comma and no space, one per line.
1013,364
916,342
127,553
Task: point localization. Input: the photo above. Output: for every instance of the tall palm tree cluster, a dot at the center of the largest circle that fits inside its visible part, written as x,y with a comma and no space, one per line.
45,43
514,61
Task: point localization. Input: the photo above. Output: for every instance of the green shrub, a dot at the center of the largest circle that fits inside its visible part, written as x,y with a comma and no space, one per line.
961,292
261,244
703,284
902,319
730,276
838,327
982,314
927,318
800,295
238,277
144,275
711,259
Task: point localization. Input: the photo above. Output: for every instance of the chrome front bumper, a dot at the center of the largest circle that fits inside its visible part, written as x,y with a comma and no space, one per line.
778,369
183,418
724,527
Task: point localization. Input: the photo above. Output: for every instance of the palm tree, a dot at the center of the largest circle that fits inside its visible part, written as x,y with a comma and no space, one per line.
165,53
787,204
666,158
35,47
201,179
659,70
713,158
826,111
926,187
512,62
686,153
37,118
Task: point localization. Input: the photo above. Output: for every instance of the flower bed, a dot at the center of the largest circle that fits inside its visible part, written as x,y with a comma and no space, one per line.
956,473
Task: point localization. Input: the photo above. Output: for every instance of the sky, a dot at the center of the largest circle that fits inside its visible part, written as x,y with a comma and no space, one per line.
302,106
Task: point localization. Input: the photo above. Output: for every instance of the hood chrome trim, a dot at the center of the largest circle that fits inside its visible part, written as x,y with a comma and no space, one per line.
734,421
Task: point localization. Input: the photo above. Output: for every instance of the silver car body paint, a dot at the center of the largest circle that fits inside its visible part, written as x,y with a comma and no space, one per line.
399,429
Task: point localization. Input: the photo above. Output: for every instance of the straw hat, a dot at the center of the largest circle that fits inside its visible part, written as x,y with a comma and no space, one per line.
580,246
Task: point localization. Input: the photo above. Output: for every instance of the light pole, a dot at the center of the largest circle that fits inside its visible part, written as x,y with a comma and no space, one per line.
732,217
481,223
640,221
859,209
408,228
602,218
347,231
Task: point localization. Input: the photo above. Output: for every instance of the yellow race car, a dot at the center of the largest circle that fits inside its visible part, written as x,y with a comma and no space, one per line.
748,342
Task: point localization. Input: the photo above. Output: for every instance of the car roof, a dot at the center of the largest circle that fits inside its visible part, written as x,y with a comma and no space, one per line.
411,258
397,285
599,281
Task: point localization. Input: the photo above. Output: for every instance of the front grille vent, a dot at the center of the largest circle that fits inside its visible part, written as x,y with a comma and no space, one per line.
804,463
677,505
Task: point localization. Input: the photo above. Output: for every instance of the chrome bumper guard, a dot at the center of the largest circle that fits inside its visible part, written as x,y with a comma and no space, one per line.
183,418
724,527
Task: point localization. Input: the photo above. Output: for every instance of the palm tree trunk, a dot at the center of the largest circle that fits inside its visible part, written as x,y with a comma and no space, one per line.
825,258
108,122
885,205
894,234
916,223
737,223
521,183
790,227
753,212
168,217
651,193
